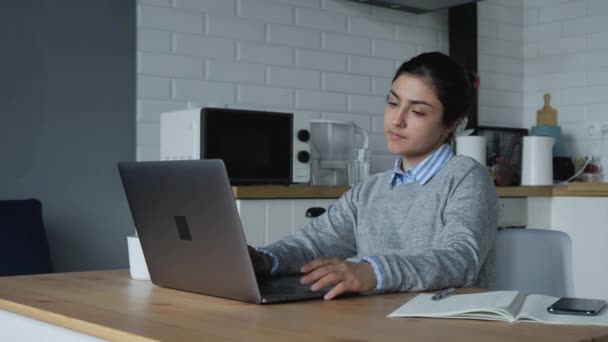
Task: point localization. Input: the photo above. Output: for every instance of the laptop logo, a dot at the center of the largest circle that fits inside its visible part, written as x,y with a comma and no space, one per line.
182,228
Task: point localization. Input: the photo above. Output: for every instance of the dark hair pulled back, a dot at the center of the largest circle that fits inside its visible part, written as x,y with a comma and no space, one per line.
453,85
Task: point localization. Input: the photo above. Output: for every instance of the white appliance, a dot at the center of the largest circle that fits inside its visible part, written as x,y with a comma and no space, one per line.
339,150
537,165
257,147
473,146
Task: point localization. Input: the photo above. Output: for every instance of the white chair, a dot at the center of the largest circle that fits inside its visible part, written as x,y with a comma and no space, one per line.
534,261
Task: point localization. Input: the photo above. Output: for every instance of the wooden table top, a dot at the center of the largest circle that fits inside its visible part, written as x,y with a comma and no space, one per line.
110,305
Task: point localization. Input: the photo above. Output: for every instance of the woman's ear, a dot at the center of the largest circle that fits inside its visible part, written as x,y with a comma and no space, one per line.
456,126
461,125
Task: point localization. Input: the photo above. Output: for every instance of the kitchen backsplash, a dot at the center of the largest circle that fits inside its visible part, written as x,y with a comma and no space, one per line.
500,62
566,54
334,59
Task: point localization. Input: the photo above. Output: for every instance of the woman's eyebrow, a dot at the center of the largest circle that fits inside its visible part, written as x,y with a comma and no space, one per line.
414,102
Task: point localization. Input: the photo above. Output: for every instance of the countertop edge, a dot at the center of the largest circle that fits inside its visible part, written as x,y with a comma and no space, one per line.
333,192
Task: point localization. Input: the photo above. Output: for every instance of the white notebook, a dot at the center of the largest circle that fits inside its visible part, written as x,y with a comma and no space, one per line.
508,306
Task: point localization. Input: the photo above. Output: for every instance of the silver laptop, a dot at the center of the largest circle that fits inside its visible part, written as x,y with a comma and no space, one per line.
191,234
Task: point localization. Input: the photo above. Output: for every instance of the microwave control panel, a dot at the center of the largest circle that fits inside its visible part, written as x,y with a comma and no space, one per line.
301,148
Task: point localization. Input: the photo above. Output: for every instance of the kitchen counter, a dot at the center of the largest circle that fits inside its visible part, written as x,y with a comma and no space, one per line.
575,189
291,192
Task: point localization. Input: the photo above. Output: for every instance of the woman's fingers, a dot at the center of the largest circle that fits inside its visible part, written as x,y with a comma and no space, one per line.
318,263
331,278
316,274
322,271
336,291
343,275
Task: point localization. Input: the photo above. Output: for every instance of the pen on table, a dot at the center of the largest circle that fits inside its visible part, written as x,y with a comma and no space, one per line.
443,293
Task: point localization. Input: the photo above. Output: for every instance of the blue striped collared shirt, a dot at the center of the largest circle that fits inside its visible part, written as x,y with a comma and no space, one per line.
423,171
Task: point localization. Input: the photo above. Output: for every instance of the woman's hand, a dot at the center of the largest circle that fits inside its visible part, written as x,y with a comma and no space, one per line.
345,275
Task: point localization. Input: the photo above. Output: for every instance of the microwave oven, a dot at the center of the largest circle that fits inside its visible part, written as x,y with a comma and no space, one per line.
257,147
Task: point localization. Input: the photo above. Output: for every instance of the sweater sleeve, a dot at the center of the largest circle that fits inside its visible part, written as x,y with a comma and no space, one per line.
470,217
329,235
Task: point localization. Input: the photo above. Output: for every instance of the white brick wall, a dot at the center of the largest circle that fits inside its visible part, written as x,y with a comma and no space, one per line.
320,19
320,100
371,66
367,27
197,45
565,44
293,36
331,58
387,48
170,19
266,11
346,43
236,28
217,70
207,6
265,96
169,65
153,87
154,41
294,78
203,92
321,60
500,62
265,53
347,83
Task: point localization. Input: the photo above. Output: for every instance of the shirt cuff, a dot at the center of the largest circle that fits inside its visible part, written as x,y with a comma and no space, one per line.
377,271
275,261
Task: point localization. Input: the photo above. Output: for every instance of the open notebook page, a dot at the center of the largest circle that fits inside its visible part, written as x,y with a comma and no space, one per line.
535,309
496,305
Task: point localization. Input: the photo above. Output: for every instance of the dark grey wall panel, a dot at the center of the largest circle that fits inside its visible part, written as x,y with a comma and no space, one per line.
67,111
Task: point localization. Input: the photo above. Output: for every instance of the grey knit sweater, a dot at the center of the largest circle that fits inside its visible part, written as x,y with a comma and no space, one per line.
421,237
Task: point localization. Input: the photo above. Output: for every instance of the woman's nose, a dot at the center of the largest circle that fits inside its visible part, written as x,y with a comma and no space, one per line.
399,118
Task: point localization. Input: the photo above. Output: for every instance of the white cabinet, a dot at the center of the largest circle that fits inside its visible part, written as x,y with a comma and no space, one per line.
584,219
267,220
512,212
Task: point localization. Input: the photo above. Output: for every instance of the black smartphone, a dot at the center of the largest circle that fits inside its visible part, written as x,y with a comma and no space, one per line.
577,306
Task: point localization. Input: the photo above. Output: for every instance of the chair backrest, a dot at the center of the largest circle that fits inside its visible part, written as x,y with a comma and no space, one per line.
534,261
23,245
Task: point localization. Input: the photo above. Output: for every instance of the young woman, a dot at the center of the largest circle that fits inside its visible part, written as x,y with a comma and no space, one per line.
428,223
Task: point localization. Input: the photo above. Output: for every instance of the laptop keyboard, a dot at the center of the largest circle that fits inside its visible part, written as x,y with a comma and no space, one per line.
284,285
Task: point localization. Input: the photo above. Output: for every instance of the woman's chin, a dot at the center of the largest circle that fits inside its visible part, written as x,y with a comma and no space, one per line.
396,148
397,151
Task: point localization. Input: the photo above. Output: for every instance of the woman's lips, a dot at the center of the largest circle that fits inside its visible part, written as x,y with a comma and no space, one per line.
394,136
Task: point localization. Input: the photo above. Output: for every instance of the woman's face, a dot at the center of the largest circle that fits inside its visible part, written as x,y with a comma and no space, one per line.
413,118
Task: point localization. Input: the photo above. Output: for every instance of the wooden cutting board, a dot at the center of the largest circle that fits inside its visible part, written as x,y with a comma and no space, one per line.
546,115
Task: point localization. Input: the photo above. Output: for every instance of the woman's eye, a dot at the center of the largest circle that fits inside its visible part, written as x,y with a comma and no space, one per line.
391,103
417,113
